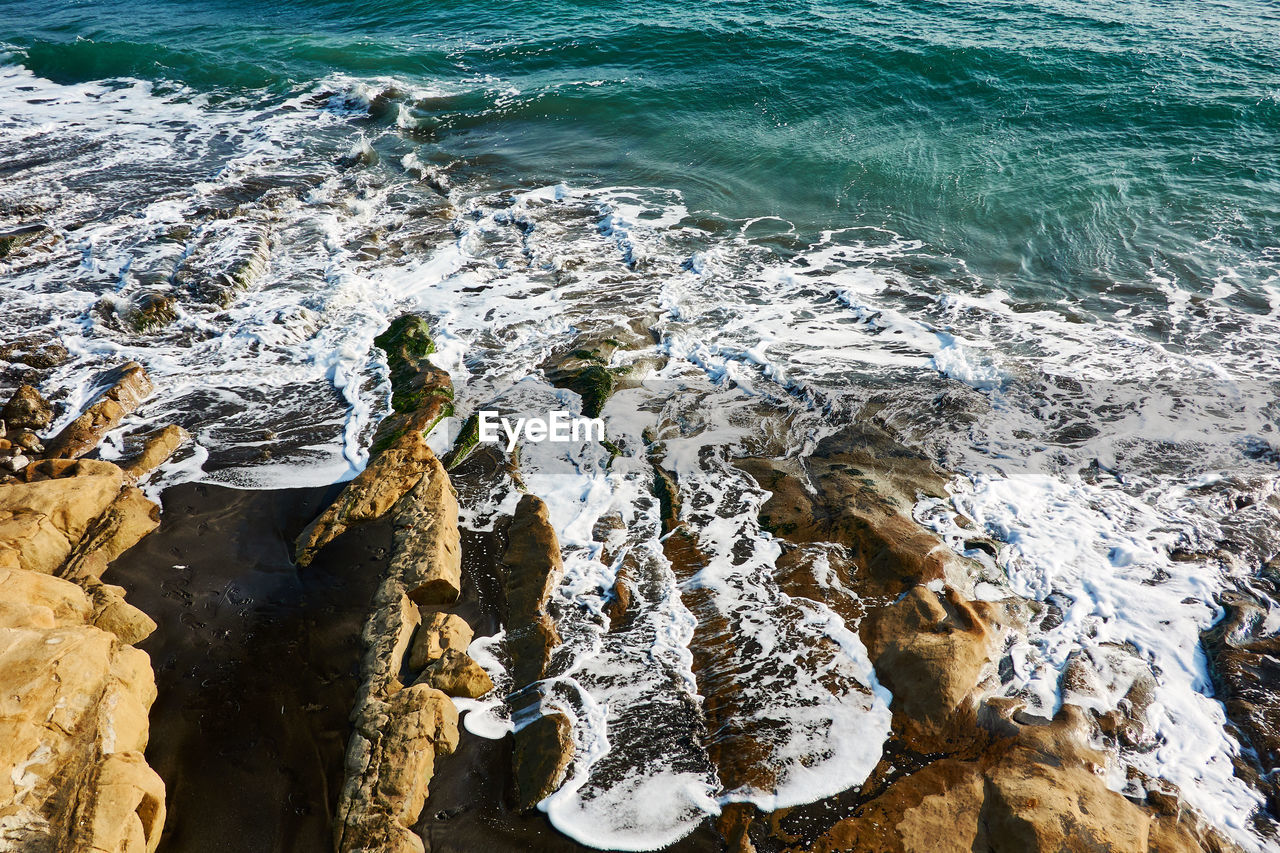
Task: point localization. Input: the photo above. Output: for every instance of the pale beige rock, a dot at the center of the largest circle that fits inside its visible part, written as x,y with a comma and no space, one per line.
125,811
40,522
129,518
439,632
386,637
44,600
112,613
456,674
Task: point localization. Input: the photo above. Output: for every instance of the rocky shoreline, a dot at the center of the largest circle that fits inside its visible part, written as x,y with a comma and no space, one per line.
369,715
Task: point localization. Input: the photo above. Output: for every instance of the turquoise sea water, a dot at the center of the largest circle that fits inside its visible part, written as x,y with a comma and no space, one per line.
1056,147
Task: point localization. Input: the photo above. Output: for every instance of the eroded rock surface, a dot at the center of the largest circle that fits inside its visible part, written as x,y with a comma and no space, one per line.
74,692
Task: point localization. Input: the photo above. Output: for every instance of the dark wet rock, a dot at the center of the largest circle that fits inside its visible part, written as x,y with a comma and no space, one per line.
542,754
25,238
733,825
129,385
584,370
533,566
454,673
619,599
1245,665
27,409
39,352
226,260
153,310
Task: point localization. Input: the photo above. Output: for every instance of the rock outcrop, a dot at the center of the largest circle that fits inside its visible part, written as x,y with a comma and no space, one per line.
397,731
74,692
455,674
1036,787
533,566
379,801
440,632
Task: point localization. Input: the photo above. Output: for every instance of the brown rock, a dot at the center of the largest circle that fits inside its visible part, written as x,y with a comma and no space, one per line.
129,518
533,567
543,751
130,386
369,496
619,600
439,633
931,652
456,674
157,450
27,409
858,490
1041,789
389,765
426,554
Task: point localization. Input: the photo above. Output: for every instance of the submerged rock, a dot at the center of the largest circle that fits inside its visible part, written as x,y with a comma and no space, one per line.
25,238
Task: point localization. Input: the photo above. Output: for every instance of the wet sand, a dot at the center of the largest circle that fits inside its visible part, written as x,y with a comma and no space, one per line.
256,667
